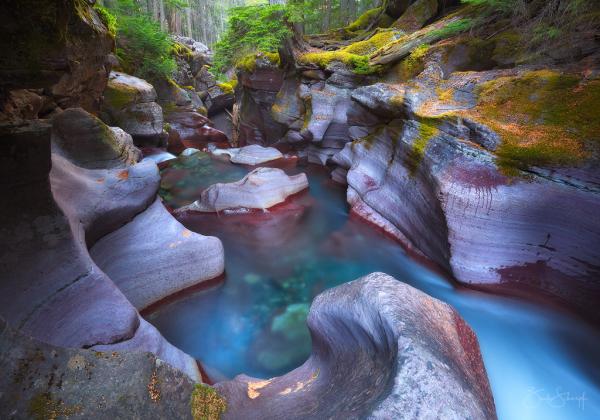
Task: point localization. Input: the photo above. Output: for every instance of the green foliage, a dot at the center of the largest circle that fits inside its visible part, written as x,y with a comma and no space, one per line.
250,30
142,47
453,28
541,21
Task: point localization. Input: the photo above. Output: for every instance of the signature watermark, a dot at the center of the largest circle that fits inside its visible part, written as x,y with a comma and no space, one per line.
555,399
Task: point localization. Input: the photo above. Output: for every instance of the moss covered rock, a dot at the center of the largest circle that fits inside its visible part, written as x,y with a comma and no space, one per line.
129,103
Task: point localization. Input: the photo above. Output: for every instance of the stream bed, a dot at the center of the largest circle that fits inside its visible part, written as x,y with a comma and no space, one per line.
542,364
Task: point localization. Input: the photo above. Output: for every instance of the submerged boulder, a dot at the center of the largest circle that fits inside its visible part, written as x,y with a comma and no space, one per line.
381,350
250,155
260,189
130,103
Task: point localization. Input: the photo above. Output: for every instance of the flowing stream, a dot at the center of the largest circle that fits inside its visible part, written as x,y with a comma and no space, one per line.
542,364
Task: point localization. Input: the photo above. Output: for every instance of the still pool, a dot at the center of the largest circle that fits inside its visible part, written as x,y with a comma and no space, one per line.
542,364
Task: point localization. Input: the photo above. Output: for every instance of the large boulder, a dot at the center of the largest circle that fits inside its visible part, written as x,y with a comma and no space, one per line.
260,189
130,103
157,257
417,14
191,129
381,350
249,155
86,141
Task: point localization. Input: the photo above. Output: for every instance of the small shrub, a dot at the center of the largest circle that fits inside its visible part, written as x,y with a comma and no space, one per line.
453,28
250,30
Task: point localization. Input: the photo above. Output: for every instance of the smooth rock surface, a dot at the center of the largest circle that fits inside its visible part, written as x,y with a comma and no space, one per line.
260,189
89,143
381,350
50,288
250,155
157,257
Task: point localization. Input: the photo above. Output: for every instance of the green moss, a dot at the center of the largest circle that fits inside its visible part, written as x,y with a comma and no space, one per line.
369,141
248,62
273,58
428,129
369,46
365,19
397,101
308,113
414,64
119,96
182,51
227,87
359,64
206,403
109,20
508,47
544,118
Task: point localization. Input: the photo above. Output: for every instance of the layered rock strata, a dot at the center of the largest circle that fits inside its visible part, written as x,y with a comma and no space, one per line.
467,158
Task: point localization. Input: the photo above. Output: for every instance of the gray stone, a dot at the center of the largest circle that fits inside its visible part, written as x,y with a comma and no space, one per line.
384,100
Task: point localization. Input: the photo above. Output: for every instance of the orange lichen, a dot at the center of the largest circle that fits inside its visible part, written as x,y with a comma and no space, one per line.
543,117
253,388
153,390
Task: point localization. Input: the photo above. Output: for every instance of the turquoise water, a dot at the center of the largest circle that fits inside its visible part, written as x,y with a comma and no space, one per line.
542,364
